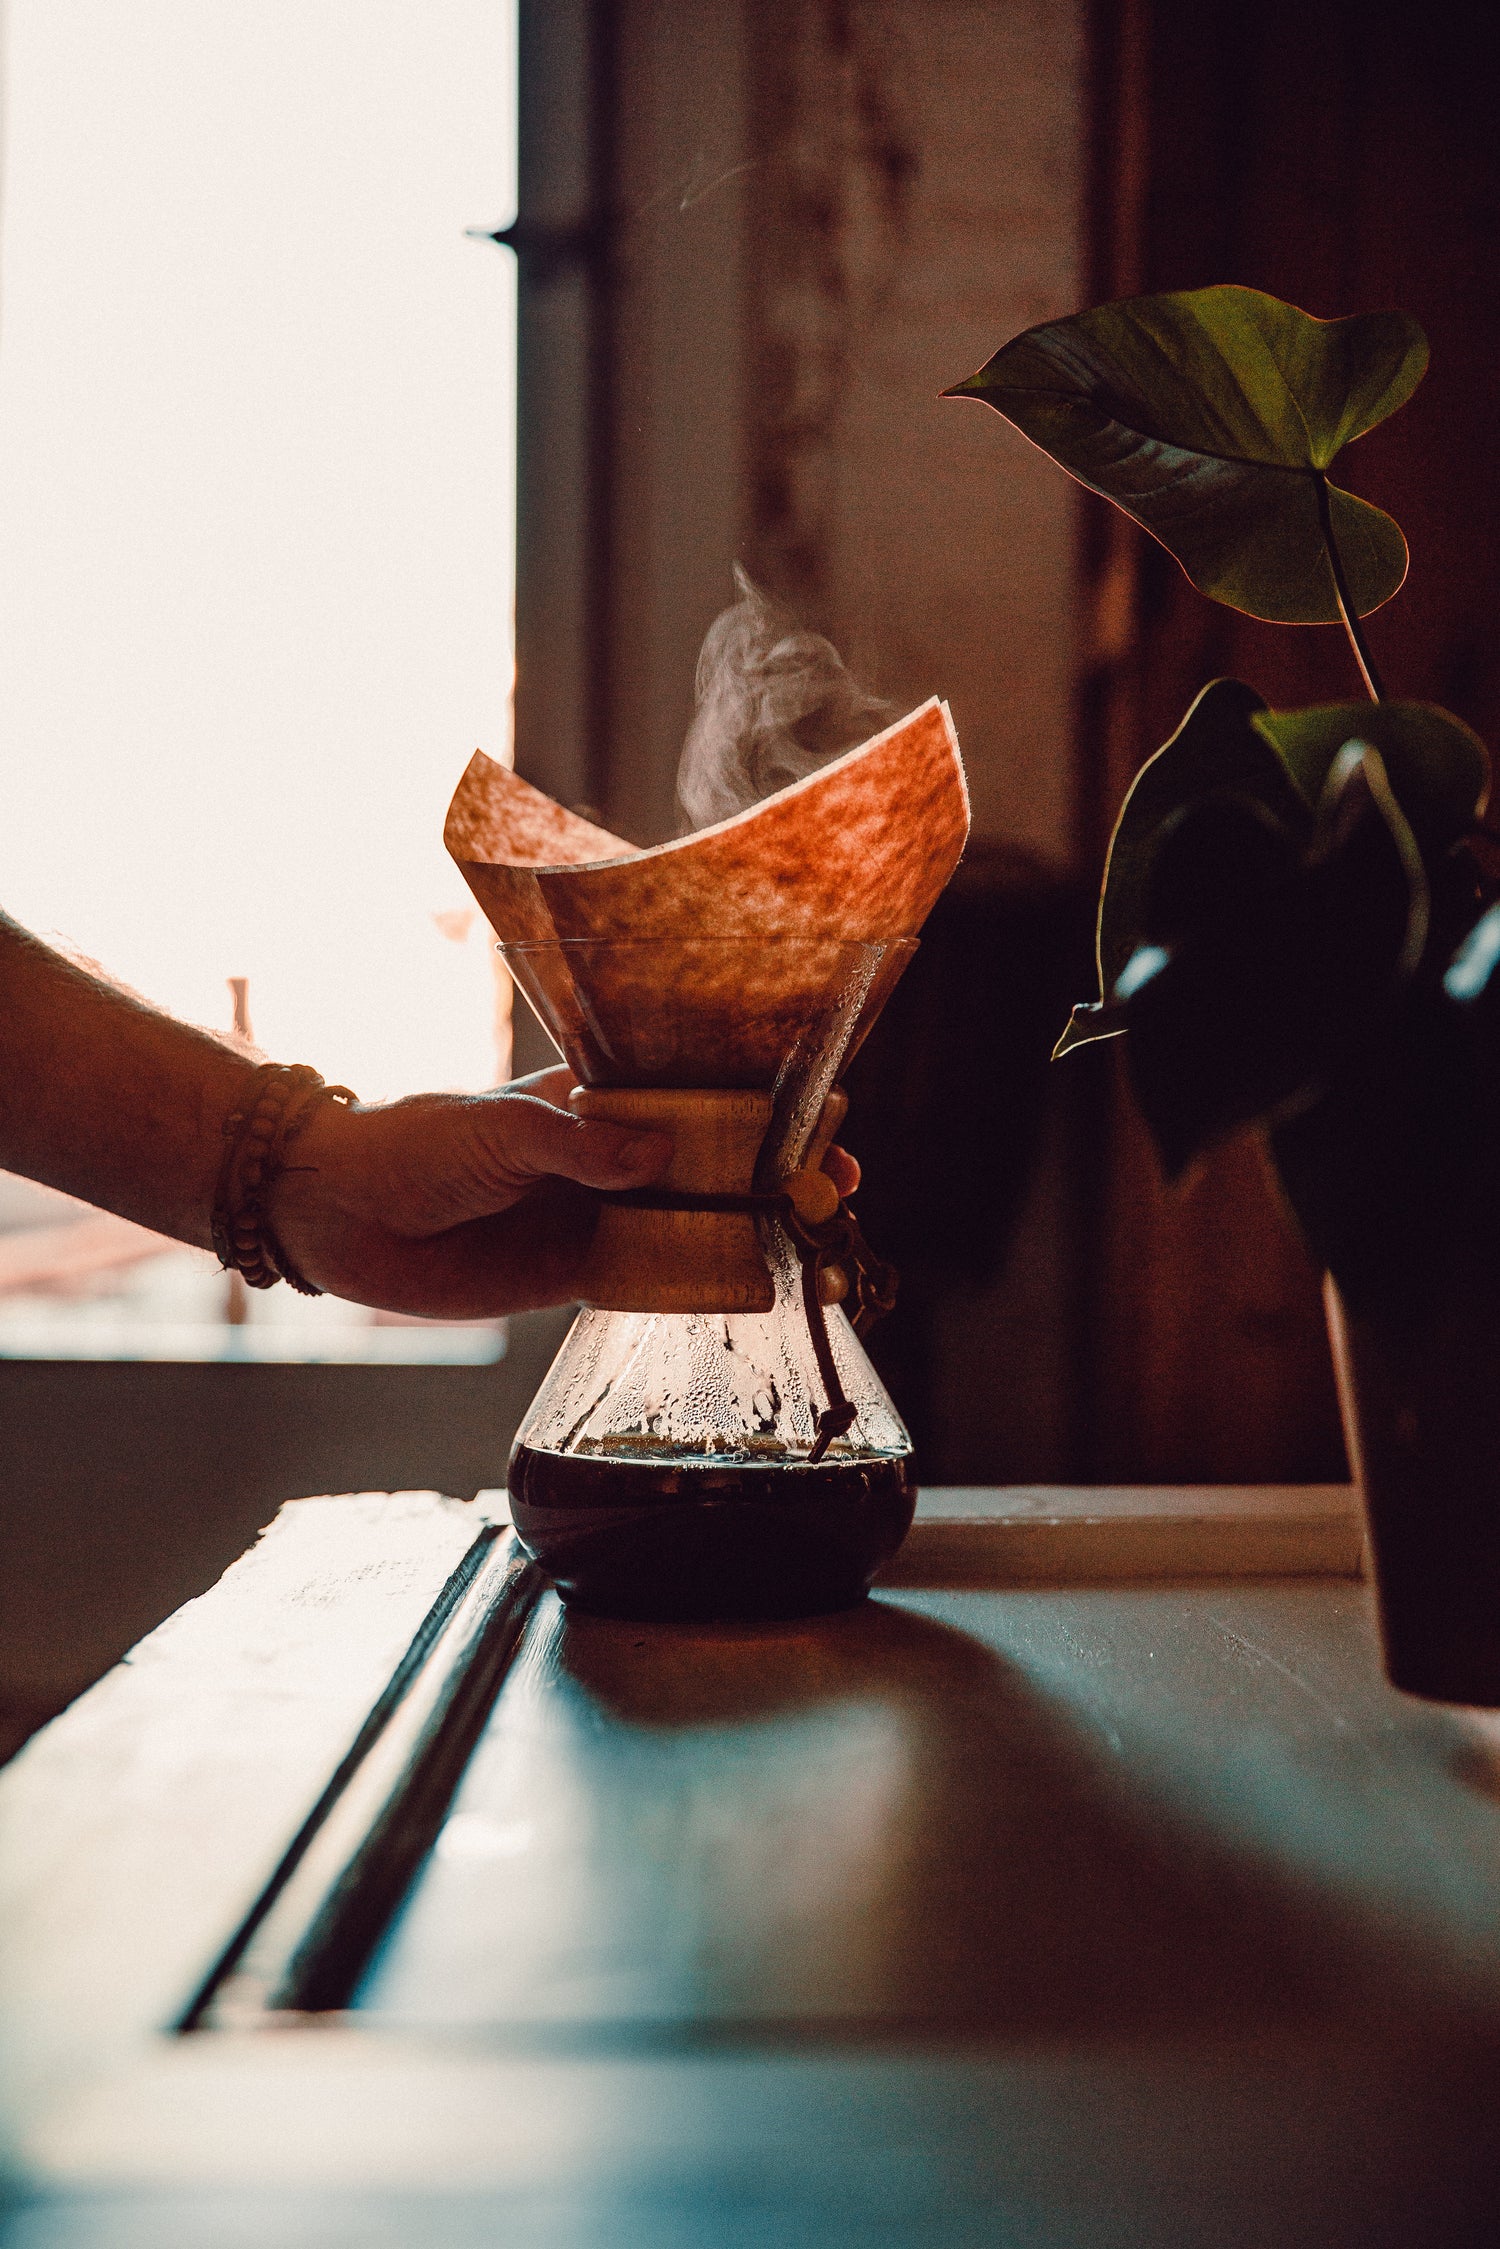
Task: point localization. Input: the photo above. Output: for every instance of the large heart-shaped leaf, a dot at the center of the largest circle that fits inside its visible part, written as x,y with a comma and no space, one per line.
1439,770
1215,748
1211,416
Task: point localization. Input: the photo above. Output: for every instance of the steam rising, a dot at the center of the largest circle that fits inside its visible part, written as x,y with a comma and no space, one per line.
774,703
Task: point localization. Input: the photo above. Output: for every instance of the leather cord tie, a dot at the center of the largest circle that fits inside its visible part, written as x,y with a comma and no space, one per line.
826,1236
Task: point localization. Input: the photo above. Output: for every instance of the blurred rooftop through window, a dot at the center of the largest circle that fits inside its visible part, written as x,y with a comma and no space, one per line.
256,561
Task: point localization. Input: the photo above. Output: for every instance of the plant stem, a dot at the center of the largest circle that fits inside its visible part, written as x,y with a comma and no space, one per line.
1366,662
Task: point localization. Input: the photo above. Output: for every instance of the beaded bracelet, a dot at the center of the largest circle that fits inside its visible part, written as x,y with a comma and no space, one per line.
279,1100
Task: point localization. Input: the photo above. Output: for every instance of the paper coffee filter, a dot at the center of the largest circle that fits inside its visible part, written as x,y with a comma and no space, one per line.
861,848
702,952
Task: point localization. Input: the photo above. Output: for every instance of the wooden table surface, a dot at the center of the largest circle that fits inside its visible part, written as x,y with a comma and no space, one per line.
1087,1886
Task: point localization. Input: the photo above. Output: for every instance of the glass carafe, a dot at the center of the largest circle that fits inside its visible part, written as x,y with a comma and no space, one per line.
712,1440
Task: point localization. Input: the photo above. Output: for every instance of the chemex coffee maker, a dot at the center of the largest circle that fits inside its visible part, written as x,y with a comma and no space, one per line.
712,1440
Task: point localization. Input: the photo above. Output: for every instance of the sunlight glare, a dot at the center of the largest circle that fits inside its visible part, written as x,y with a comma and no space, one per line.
256,504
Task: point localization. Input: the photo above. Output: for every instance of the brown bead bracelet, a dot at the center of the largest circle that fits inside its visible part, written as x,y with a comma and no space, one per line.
279,1100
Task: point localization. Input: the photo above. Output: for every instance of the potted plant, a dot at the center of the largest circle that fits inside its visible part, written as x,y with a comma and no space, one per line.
1298,931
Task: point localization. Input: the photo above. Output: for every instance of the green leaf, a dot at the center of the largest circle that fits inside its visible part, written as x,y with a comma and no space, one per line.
1216,747
1210,416
1439,770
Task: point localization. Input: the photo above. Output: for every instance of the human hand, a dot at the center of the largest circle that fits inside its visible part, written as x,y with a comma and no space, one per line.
454,1206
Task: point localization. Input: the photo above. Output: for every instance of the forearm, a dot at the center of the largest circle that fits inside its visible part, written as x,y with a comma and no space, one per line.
104,1097
447,1206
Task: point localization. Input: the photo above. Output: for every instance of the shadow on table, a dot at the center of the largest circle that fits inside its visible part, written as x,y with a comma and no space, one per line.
867,1824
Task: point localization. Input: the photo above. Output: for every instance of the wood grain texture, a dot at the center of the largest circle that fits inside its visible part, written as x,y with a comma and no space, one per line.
694,1261
681,1260
137,1828
384,1840
1056,1534
335,2139
412,1741
1110,1814
1253,145
1134,1912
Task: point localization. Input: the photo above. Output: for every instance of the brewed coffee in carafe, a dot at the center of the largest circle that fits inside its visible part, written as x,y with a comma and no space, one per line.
666,1466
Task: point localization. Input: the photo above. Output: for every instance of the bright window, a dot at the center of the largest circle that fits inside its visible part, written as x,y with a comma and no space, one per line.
256,533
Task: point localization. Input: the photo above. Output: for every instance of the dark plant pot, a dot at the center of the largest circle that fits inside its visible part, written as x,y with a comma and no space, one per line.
1419,1387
